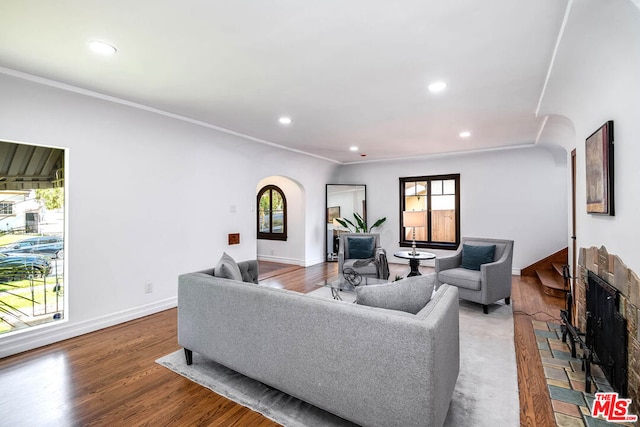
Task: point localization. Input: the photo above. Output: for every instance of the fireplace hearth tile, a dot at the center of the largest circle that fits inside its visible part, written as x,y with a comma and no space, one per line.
578,385
576,365
552,361
566,395
538,324
566,408
545,334
596,422
546,353
603,384
559,383
562,355
563,420
566,384
555,373
576,376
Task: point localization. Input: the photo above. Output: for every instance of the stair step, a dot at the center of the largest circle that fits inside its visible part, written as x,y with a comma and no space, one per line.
552,283
557,267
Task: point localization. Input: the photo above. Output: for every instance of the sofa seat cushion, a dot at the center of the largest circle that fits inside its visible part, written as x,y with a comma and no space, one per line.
409,295
227,268
369,269
462,278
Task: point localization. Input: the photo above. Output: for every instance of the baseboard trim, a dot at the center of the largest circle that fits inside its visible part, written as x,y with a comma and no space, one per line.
311,262
29,339
281,260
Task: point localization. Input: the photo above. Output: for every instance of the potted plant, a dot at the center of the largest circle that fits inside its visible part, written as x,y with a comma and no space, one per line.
360,225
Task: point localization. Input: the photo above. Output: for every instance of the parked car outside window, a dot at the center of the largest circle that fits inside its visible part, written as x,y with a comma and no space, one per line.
49,245
20,267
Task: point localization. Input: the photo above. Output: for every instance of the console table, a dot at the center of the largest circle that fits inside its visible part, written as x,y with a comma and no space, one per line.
414,260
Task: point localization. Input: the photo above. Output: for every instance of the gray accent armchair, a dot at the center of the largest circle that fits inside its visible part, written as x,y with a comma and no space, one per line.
375,266
490,284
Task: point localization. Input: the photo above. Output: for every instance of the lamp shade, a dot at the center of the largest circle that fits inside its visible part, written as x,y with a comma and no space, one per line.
414,218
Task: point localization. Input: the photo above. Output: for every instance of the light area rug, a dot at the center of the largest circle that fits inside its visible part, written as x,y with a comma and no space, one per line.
486,393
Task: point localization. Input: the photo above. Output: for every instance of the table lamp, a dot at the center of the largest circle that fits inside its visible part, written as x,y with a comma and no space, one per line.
414,219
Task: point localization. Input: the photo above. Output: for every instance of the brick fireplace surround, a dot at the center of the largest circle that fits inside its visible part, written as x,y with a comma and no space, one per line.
615,272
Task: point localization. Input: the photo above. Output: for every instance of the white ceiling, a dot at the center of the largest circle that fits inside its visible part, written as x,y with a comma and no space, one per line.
346,72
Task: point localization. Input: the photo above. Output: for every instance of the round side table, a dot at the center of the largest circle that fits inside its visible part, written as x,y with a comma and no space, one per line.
414,260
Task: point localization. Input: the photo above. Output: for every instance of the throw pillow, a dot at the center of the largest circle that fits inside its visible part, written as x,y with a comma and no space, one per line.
474,256
409,295
361,247
227,268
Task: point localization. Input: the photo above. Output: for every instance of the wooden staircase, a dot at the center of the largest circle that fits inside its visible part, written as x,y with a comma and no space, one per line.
549,272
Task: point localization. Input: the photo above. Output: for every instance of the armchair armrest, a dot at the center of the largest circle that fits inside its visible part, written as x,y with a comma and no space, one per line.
447,263
498,273
501,266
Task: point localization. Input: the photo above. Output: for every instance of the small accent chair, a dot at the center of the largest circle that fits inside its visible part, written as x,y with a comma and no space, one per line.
362,253
490,283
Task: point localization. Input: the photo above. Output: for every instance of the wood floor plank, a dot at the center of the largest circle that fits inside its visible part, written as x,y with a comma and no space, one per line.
110,377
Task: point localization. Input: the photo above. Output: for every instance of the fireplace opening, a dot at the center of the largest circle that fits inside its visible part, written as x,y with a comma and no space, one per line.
606,334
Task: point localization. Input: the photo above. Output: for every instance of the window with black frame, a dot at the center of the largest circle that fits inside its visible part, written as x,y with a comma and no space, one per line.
272,213
438,198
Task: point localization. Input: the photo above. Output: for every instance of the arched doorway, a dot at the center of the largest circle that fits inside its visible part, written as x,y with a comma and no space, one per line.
291,250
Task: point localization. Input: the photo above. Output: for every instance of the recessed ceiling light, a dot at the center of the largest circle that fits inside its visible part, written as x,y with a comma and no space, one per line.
465,134
437,86
285,120
353,148
102,48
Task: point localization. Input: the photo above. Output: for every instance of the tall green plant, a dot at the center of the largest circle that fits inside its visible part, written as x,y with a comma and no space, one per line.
360,225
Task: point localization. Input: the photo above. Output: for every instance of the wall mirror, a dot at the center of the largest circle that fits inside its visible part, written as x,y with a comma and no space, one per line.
342,201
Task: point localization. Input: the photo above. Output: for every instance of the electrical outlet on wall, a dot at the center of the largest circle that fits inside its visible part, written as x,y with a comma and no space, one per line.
148,287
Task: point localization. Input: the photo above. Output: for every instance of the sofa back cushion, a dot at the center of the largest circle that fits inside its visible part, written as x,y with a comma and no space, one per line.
409,295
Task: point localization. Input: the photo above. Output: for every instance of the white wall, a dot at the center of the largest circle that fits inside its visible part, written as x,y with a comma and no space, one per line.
595,79
150,197
517,194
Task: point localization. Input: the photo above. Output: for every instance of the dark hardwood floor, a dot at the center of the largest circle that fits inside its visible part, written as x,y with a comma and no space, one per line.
110,378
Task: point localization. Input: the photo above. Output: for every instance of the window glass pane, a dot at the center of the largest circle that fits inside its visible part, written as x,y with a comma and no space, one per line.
436,187
449,186
264,212
278,221
443,218
32,239
415,196
439,203
276,203
415,200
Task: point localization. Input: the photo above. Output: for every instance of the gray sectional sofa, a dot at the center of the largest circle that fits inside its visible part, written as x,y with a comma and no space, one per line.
369,365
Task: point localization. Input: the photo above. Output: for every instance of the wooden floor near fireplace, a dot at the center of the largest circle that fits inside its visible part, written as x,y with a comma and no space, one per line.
109,377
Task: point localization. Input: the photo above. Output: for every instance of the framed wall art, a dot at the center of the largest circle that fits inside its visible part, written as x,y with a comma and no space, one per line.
599,167
333,212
